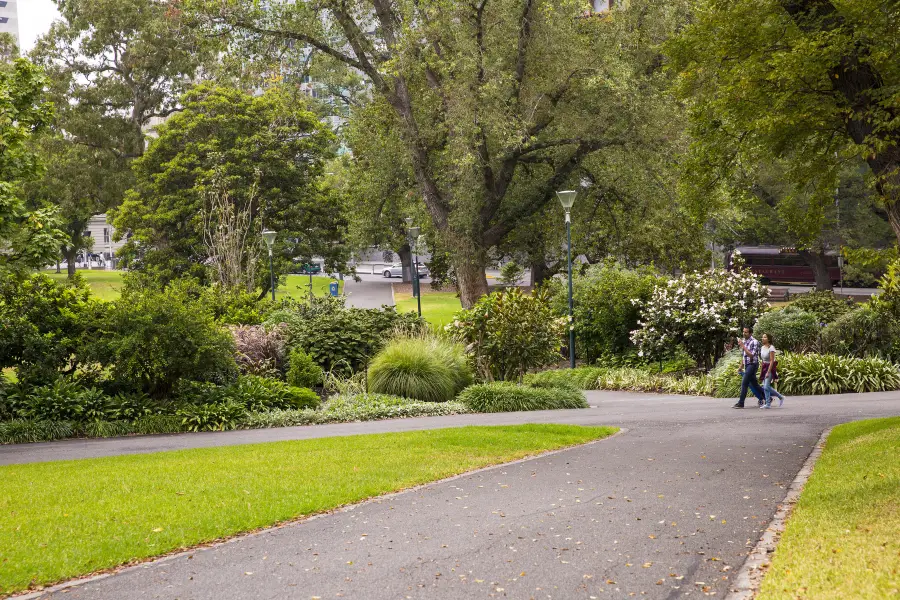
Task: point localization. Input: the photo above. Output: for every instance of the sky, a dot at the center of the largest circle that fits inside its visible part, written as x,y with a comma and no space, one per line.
35,17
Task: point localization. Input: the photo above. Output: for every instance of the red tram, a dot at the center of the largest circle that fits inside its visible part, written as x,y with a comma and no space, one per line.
784,265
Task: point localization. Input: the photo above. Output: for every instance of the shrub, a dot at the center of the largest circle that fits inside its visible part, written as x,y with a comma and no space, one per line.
865,331
863,266
792,329
504,396
825,305
213,416
260,350
25,431
43,325
235,307
151,340
605,307
511,273
583,378
64,400
810,374
418,368
702,311
303,371
340,339
258,393
509,333
622,379
726,383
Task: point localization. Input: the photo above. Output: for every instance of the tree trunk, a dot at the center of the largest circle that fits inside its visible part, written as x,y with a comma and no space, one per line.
539,273
816,261
70,255
405,254
472,282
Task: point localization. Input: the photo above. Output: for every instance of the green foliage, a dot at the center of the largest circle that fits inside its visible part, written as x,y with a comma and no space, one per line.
303,371
725,378
65,401
236,306
866,331
43,325
809,374
506,396
213,416
150,340
256,156
700,311
792,329
826,306
339,339
863,267
509,333
369,407
260,393
623,379
30,237
888,301
422,368
582,378
511,273
607,306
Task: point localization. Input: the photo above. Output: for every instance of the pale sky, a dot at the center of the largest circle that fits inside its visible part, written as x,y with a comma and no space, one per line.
35,17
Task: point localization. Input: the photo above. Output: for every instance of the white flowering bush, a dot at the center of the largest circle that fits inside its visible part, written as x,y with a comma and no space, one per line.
702,311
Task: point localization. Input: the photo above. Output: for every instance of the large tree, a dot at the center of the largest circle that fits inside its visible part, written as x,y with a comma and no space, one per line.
489,96
263,155
810,83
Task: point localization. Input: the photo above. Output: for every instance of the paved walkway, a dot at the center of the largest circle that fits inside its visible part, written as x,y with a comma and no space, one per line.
668,509
373,291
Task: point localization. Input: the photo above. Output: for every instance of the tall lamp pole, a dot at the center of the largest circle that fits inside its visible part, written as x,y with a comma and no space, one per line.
269,239
567,199
414,234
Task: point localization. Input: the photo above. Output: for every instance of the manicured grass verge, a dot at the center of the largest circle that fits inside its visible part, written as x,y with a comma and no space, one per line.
843,539
438,308
68,518
107,285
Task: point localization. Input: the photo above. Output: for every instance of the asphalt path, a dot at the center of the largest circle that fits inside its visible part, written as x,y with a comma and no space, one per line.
667,509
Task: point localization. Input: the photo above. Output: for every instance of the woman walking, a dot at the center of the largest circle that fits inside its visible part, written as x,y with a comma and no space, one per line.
769,373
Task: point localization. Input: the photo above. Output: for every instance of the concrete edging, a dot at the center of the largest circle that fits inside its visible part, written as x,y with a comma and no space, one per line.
748,580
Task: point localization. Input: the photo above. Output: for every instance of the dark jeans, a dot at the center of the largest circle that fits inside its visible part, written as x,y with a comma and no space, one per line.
749,380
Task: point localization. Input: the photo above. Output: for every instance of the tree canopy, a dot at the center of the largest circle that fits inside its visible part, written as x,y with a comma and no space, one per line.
264,153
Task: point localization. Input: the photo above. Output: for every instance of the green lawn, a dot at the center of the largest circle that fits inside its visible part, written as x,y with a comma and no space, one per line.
843,540
68,518
438,308
107,285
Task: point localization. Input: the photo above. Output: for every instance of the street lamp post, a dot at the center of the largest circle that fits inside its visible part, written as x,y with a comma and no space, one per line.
567,199
269,239
414,243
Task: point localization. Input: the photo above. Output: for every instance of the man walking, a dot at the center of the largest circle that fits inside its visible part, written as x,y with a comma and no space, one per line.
749,366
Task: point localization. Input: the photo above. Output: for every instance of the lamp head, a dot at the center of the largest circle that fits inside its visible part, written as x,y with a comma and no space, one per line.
269,238
414,232
567,199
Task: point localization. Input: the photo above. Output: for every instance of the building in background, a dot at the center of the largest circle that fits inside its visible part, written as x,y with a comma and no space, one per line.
9,18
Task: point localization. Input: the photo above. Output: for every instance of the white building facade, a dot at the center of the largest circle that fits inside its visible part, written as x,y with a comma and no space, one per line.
9,18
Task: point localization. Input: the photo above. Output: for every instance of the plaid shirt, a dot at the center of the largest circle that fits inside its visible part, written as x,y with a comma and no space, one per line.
752,346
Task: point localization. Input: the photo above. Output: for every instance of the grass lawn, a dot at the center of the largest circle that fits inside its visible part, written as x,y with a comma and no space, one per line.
438,308
843,540
107,285
68,518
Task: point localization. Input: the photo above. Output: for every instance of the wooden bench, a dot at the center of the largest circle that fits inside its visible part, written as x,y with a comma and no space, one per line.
779,294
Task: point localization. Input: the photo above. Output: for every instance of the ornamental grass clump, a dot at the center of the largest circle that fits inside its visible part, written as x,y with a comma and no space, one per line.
421,368
814,374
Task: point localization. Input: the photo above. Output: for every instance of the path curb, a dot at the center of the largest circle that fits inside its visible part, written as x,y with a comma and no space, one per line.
748,580
143,564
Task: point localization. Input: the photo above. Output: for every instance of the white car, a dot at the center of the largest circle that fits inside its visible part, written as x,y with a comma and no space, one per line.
396,270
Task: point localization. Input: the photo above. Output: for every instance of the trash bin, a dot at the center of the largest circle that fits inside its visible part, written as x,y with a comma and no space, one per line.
333,288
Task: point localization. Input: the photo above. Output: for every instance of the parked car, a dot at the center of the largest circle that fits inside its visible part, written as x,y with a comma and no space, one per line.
308,268
396,270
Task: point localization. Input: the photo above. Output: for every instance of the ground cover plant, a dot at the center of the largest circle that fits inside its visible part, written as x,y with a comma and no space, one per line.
812,374
97,513
841,540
